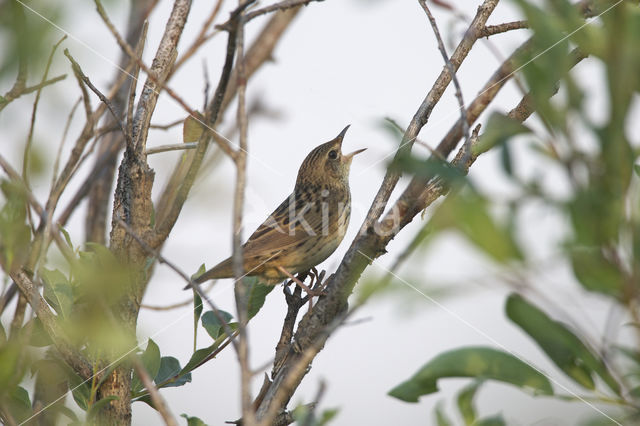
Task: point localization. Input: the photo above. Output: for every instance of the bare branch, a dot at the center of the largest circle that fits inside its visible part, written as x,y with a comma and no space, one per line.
27,147
158,401
150,250
56,164
167,126
280,6
452,71
424,111
71,356
6,99
240,160
175,195
201,38
171,147
80,75
490,30
134,82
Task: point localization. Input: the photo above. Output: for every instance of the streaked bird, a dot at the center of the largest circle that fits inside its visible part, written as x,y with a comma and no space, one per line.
307,226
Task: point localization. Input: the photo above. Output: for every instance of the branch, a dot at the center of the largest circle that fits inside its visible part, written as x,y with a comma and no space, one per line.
370,243
81,76
100,188
490,30
452,71
201,38
71,356
281,6
195,286
171,147
177,190
158,402
424,111
12,94
240,160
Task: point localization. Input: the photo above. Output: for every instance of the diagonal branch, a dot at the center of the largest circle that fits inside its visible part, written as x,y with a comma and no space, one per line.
423,113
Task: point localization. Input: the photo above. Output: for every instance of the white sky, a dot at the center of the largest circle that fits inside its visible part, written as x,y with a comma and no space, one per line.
341,62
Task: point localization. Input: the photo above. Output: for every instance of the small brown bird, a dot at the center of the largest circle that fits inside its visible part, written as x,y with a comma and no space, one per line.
307,227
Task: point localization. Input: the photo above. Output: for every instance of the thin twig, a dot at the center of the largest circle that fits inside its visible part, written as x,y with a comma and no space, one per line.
280,6
171,147
56,164
167,126
490,30
78,71
27,148
172,266
152,80
134,82
174,197
6,99
71,356
452,71
174,305
158,401
238,206
423,113
201,38
318,324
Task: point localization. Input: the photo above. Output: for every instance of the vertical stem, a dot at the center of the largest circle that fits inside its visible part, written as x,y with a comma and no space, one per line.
248,416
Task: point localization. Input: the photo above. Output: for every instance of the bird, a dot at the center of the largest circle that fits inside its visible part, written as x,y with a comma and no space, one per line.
306,228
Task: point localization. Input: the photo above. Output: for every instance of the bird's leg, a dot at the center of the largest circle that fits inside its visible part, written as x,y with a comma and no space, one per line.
314,276
317,279
309,291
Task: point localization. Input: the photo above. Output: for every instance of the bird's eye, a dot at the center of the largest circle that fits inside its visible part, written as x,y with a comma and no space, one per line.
333,154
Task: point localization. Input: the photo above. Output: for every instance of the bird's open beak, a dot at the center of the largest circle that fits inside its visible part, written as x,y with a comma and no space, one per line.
350,156
342,133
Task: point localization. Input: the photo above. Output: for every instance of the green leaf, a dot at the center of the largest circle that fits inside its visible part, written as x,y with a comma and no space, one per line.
428,168
393,129
498,131
197,308
326,416
12,364
38,336
169,368
257,294
150,359
476,362
212,325
465,402
546,62
636,168
564,348
597,273
98,405
67,238
15,234
81,394
193,421
198,356
192,128
58,291
20,404
495,420
441,417
467,212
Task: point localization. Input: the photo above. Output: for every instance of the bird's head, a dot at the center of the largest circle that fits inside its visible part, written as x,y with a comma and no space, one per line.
327,164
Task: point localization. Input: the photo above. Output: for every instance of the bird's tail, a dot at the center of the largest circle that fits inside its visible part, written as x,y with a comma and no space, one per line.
221,270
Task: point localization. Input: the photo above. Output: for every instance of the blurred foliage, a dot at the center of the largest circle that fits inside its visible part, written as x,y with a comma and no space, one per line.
25,35
601,244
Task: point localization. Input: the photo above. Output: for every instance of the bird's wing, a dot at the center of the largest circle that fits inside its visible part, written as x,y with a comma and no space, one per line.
284,229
